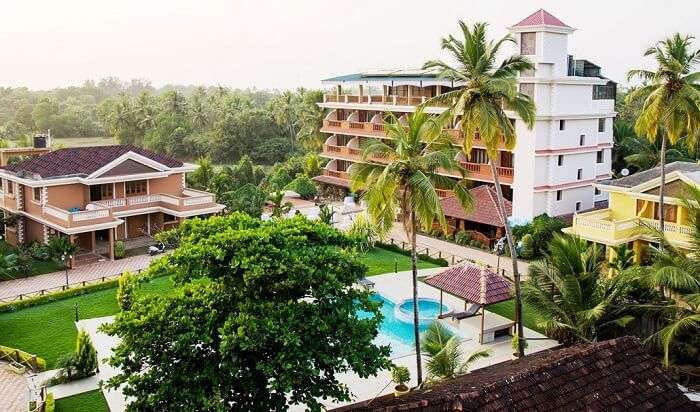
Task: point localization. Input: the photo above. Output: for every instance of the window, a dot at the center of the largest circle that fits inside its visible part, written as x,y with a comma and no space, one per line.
670,212
601,125
600,156
596,191
559,192
562,124
579,174
560,160
479,156
527,73
527,43
168,218
136,187
578,206
36,194
527,89
582,140
2,185
10,187
107,191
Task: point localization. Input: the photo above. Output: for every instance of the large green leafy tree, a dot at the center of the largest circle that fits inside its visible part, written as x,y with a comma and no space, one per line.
407,180
486,88
572,294
264,317
671,96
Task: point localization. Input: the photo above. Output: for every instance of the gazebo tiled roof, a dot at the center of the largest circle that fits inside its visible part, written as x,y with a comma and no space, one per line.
540,18
485,207
472,283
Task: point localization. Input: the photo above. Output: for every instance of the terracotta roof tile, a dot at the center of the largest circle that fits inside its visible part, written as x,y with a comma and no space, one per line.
471,282
336,181
83,160
540,18
485,207
573,378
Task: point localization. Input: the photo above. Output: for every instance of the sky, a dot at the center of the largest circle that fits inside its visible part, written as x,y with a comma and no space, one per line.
284,44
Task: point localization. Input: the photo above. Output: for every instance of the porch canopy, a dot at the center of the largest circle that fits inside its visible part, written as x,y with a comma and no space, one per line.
472,283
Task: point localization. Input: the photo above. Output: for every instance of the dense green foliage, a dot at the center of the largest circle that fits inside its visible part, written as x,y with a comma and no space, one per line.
536,235
445,358
79,364
272,325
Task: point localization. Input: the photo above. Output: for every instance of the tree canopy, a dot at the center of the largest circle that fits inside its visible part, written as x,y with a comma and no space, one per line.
264,316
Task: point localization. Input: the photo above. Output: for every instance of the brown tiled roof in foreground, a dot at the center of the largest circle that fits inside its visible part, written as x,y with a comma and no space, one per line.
83,160
612,375
471,282
335,181
485,207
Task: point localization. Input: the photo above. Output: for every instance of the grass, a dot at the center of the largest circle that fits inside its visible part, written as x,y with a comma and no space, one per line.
83,141
381,261
93,401
507,309
48,330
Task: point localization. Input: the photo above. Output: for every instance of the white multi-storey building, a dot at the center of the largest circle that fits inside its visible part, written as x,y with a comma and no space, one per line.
553,166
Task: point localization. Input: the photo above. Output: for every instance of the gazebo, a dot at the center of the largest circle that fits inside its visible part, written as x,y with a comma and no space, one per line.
472,283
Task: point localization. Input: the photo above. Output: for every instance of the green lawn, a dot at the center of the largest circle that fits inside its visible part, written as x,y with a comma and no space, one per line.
507,309
383,261
93,401
48,330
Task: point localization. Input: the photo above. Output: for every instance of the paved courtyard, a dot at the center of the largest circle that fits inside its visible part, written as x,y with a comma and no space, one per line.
91,272
14,392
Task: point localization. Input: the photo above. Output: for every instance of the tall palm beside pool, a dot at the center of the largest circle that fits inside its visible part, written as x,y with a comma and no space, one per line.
406,181
671,99
487,90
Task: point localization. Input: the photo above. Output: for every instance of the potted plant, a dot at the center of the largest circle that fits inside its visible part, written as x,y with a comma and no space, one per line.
400,376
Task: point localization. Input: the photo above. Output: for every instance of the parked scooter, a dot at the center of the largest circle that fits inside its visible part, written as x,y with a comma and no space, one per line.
156,249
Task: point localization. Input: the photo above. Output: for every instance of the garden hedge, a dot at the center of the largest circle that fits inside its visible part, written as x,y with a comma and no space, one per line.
54,296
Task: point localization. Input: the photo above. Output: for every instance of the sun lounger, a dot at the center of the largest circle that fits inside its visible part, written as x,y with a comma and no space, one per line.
366,283
473,310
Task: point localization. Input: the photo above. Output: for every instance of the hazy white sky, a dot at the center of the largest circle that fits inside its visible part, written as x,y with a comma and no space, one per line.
286,43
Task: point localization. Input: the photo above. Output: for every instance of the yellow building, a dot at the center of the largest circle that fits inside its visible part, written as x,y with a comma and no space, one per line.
633,209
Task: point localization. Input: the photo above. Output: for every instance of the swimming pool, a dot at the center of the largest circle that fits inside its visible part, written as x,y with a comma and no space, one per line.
397,331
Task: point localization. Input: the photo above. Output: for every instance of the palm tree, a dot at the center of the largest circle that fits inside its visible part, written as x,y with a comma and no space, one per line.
485,89
283,109
671,95
407,181
446,360
144,111
571,293
676,272
642,153
204,175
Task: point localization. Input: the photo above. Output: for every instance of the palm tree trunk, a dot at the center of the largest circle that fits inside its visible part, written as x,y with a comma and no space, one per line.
661,188
414,279
513,258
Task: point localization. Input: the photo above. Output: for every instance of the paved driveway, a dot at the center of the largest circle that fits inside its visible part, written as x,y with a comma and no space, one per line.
94,271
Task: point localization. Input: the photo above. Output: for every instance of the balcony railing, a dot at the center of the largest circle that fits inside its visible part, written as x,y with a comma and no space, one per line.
68,218
190,199
380,99
482,171
601,224
336,173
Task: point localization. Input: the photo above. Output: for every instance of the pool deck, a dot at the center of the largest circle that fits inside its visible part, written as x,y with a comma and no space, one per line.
397,287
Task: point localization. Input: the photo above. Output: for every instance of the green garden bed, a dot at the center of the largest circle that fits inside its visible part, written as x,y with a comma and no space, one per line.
93,401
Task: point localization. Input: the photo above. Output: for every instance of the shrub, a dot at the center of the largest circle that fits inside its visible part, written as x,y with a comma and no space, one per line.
170,238
79,364
436,232
400,375
463,238
60,246
304,186
542,228
39,251
125,290
527,247
119,249
52,297
364,232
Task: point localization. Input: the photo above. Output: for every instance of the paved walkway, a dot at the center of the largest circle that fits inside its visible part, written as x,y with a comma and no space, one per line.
94,271
65,390
14,392
449,248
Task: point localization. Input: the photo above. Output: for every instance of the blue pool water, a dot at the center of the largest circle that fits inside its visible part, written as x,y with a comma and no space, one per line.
396,329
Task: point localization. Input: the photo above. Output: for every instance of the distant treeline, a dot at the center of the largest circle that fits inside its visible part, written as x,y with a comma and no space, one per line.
185,121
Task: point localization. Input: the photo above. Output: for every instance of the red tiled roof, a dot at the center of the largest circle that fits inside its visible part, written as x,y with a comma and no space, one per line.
335,181
471,282
83,160
617,374
485,207
540,18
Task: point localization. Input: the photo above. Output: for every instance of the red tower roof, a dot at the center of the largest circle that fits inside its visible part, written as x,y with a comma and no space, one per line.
540,18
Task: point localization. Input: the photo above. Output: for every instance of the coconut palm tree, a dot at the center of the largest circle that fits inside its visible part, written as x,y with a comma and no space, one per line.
677,273
571,293
486,89
671,99
203,177
406,181
446,360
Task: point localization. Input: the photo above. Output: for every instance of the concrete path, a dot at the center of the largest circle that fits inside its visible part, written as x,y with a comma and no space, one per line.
14,392
65,390
104,344
94,271
449,248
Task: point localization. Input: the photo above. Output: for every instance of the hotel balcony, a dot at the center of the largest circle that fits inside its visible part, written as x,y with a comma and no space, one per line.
106,212
380,99
600,226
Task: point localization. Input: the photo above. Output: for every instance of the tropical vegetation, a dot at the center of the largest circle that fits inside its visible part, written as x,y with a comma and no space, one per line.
445,358
405,185
489,88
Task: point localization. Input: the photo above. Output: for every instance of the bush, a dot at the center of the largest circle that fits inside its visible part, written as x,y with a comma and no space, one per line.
364,232
170,238
542,228
527,247
79,364
125,290
39,251
463,238
304,186
400,375
119,249
52,297
436,232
